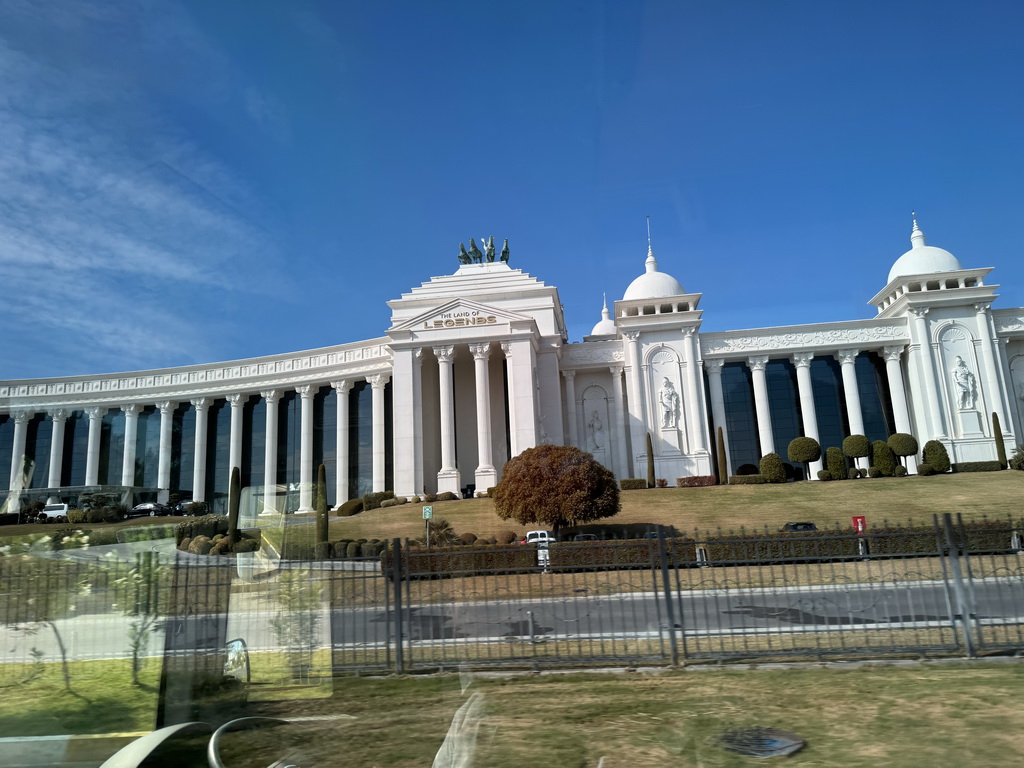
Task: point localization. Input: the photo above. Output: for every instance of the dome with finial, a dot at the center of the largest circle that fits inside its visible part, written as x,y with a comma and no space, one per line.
922,259
607,326
652,284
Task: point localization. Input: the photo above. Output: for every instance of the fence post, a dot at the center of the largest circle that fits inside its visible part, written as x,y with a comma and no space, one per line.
964,608
669,609
396,581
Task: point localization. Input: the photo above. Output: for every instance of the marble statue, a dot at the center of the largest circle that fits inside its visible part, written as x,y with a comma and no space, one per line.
596,430
965,385
669,399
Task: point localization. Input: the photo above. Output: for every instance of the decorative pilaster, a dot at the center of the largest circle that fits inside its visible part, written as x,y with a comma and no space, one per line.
92,455
634,392
341,389
271,398
58,417
570,404
131,433
992,391
619,434
163,472
714,368
448,478
695,407
761,404
485,475
306,392
927,371
202,406
377,384
805,387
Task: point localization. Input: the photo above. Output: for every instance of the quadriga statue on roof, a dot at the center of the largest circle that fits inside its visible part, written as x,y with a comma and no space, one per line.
474,256
463,256
489,250
505,252
478,257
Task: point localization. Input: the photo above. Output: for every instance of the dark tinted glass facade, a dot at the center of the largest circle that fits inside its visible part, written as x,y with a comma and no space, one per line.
112,447
740,418
37,448
76,446
183,449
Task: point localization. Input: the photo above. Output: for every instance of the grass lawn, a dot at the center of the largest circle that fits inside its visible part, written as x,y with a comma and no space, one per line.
894,716
995,494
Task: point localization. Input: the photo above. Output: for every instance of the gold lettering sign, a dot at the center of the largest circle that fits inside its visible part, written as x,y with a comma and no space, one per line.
460,320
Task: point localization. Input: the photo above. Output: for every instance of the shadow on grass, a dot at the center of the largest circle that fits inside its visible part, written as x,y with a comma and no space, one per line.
74,713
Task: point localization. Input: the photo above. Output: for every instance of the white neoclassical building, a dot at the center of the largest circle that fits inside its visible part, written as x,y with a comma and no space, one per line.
477,366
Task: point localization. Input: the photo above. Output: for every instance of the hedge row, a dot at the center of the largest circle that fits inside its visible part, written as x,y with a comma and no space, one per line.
977,466
747,480
632,484
696,481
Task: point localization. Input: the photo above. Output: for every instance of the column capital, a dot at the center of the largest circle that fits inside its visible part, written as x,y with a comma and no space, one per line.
444,354
569,375
847,356
802,359
200,404
131,409
982,307
918,312
236,399
342,386
22,417
506,348
631,336
59,414
378,380
616,370
893,353
714,365
688,333
271,396
417,355
757,362
480,351
166,406
95,411
306,391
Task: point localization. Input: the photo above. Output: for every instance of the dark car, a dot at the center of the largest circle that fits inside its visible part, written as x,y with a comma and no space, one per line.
189,507
792,527
147,509
585,537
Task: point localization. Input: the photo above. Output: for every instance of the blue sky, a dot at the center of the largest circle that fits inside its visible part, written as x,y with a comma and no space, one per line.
183,182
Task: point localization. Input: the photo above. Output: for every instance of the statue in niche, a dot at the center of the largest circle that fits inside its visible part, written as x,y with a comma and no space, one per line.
478,257
669,399
505,252
965,385
463,256
596,430
489,250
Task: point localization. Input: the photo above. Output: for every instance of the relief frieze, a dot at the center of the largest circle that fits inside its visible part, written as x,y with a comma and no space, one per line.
828,338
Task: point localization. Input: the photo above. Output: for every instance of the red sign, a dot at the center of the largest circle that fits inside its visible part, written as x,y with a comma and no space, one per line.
860,523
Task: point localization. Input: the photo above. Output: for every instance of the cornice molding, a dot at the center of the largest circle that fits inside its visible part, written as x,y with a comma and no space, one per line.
743,343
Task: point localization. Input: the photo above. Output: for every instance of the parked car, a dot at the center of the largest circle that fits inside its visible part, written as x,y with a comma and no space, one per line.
585,537
538,537
54,511
147,509
792,527
186,507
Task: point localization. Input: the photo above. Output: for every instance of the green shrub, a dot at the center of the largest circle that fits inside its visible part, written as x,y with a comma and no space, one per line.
747,480
835,463
467,538
746,469
773,547
350,507
977,466
936,456
322,550
824,474
722,464
353,549
201,545
1017,460
461,561
247,545
856,447
339,549
661,482
490,491
902,444
76,516
874,472
632,484
925,469
900,471
184,544
448,496
772,468
429,498
853,474
804,450
373,500
884,458
696,481
650,462
507,537
395,502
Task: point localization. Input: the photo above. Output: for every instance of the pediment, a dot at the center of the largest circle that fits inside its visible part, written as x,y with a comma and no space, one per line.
457,314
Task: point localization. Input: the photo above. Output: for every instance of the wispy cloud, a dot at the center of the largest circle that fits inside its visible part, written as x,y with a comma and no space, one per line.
115,226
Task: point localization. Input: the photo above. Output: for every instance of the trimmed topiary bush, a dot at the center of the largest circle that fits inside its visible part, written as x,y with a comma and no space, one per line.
373,500
76,516
925,469
447,496
247,545
772,468
900,471
396,502
322,550
853,474
884,458
835,463
650,462
874,472
824,474
978,466
723,470
696,481
507,537
350,507
936,457
429,498
352,551
467,538
339,549
632,484
201,545
902,444
747,480
856,447
1017,459
804,450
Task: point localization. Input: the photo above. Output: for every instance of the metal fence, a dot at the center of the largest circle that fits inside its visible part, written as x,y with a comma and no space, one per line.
661,600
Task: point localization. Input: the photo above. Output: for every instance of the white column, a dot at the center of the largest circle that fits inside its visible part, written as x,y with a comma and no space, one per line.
714,368
448,478
619,434
92,456
808,411
202,406
58,417
341,389
992,389
851,392
570,406
485,475
898,395
237,402
506,349
764,417
927,368
131,432
21,419
306,392
377,384
163,473
695,406
271,397
634,391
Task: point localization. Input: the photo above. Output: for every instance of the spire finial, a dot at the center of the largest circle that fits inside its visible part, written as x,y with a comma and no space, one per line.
649,250
913,216
605,315
916,235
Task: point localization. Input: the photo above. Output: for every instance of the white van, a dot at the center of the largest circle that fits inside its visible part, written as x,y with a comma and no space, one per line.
537,537
55,510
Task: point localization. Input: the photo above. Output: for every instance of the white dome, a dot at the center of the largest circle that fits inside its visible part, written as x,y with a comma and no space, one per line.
923,259
607,326
653,284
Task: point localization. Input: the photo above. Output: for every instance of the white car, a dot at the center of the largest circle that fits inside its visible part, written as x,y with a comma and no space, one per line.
55,510
539,537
